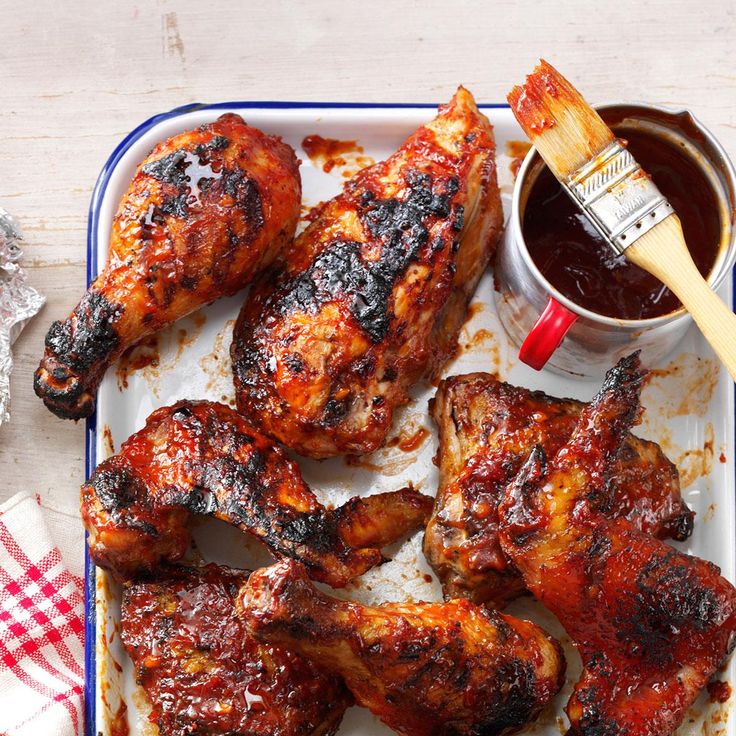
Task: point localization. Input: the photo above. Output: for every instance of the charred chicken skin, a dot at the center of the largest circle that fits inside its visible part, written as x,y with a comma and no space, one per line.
204,674
446,669
203,458
373,293
651,624
206,210
487,428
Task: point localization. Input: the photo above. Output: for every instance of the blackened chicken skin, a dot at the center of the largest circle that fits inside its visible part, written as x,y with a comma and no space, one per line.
199,457
205,675
651,624
373,293
205,212
447,669
487,428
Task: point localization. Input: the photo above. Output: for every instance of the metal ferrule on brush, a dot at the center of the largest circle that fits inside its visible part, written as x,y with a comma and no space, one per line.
620,199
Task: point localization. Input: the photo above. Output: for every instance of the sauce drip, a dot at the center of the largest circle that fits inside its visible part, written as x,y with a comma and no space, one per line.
718,691
517,151
580,264
329,151
137,357
409,442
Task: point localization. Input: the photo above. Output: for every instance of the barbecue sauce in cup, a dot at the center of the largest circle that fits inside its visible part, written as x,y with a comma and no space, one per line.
580,264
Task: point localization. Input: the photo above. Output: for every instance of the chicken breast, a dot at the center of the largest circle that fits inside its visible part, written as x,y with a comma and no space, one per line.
652,624
372,294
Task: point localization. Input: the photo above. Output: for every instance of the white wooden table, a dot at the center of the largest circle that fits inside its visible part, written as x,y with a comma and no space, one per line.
75,77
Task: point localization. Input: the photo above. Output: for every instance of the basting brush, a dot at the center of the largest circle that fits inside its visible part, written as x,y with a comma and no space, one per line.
619,198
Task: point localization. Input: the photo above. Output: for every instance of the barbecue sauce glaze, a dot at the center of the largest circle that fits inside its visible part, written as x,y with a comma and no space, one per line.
579,263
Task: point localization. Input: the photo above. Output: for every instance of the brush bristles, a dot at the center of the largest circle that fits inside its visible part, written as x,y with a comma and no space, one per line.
563,127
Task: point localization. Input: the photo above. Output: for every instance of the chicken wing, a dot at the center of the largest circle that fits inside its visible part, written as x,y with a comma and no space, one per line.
198,457
487,429
206,210
373,293
204,674
431,668
651,624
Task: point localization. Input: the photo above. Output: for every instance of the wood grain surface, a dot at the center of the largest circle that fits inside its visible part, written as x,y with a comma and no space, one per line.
75,77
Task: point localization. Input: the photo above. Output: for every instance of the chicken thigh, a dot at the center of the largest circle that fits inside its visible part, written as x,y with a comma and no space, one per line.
487,428
204,674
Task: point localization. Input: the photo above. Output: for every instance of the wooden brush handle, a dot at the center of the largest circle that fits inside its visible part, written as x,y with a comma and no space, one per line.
662,252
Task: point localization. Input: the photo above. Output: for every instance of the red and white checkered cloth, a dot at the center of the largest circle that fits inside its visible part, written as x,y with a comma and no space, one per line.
41,628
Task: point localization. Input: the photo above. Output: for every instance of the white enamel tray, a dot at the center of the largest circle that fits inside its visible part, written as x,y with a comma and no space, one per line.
689,411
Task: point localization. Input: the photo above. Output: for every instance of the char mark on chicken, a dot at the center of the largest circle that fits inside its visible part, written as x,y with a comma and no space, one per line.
203,673
487,428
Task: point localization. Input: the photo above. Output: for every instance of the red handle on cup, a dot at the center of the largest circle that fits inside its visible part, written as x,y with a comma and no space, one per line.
546,335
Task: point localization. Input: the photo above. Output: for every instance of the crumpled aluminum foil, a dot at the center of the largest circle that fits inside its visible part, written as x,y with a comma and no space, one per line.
18,303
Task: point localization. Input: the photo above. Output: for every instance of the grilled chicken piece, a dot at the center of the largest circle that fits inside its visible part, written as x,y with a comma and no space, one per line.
487,430
204,674
430,668
373,293
206,211
652,624
198,457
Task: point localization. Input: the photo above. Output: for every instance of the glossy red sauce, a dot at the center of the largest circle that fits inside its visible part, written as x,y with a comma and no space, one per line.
329,151
580,263
411,442
718,691
517,151
136,357
119,723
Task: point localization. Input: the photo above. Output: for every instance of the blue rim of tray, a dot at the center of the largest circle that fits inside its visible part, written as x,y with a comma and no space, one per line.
90,617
